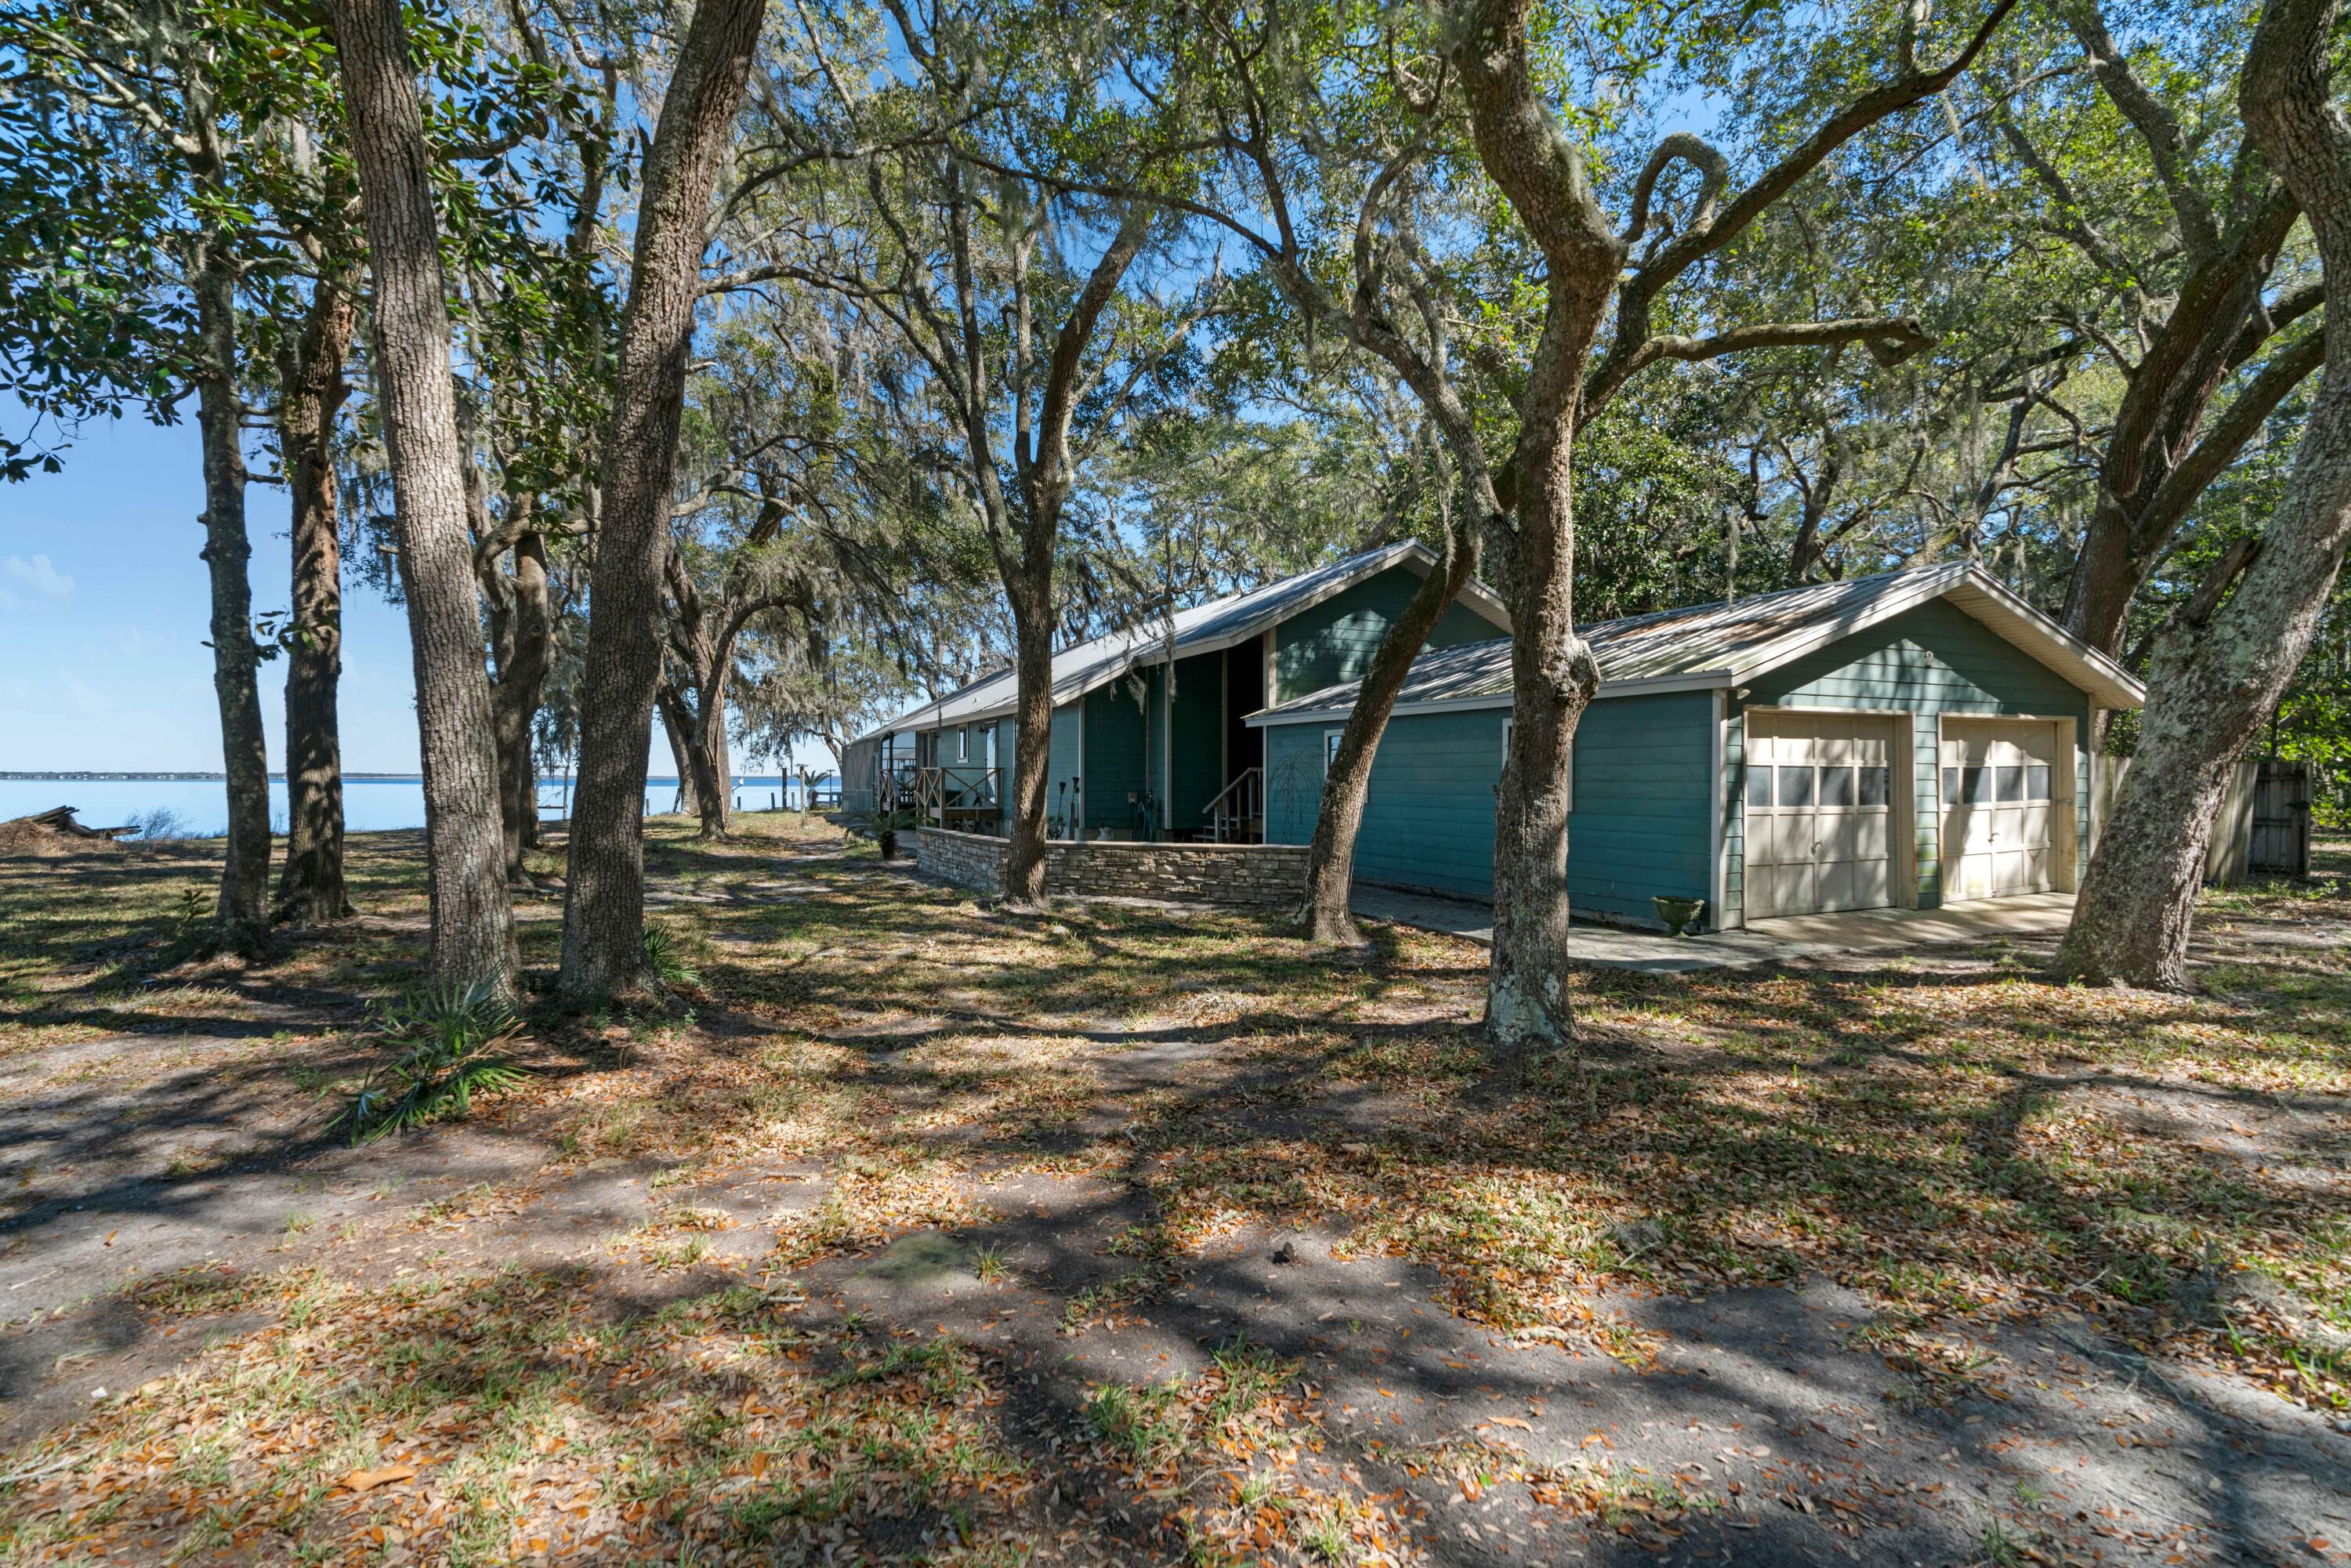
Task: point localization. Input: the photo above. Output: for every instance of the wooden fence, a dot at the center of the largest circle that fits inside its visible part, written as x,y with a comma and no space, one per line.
2264,827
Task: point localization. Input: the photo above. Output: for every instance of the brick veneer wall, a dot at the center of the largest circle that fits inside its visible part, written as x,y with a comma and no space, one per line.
1258,875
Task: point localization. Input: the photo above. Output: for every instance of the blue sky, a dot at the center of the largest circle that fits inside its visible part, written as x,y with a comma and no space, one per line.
105,609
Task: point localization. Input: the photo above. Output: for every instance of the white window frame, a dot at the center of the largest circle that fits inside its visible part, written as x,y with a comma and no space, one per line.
963,744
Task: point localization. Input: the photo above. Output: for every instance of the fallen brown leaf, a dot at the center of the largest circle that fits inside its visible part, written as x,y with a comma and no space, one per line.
383,1475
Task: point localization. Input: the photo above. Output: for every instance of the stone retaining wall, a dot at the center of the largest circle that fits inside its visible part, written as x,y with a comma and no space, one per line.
1256,875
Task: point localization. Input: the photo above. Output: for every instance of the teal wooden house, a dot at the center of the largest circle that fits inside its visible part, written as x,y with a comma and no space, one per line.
1909,740
1150,738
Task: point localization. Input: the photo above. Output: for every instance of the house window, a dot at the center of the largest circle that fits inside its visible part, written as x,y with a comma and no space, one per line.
1329,750
963,745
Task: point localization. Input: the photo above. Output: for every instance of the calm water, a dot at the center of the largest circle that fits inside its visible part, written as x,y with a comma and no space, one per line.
369,804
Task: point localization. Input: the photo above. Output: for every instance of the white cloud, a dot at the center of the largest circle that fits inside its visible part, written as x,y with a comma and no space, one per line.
38,575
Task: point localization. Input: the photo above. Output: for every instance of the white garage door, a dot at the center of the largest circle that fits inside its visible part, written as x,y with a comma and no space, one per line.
2000,781
1820,805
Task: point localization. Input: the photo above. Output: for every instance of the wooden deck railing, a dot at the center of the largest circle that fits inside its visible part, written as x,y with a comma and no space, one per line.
956,797
1237,816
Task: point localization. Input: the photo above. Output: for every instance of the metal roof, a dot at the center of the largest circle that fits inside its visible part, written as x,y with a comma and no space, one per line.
1203,629
1710,645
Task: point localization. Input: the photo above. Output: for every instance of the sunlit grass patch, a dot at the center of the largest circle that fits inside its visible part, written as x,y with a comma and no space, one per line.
490,1418
209,1290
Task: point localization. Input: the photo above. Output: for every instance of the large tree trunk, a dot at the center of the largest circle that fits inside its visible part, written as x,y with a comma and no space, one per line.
240,920
472,933
1331,858
678,723
2155,460
1552,679
603,917
1552,674
2220,667
522,638
313,387
714,763
1032,741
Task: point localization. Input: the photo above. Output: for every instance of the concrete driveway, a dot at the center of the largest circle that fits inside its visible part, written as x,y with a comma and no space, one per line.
1778,941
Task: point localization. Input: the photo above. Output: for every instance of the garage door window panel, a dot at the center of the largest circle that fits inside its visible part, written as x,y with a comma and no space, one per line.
1819,797
1998,825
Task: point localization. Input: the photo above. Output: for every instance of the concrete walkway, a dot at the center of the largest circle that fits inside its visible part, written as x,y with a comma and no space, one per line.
1778,941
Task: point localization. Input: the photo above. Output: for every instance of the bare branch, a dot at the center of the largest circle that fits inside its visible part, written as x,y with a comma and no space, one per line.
1902,336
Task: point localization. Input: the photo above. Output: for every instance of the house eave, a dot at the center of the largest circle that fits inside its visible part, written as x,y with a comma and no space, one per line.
1693,681
1410,554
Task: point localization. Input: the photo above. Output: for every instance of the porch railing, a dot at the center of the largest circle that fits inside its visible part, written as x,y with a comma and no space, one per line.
1237,816
958,797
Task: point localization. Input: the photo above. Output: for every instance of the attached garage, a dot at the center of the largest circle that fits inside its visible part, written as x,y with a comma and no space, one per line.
1900,741
1820,813
2007,807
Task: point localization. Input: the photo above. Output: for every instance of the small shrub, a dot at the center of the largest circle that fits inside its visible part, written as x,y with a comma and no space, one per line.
450,1035
188,919
665,957
161,825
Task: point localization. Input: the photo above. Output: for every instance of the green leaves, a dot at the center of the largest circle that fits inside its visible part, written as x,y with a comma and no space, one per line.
451,1035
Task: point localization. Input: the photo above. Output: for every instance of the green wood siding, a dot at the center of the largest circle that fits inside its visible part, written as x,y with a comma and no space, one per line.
1199,726
1061,762
1645,789
1114,741
1334,641
1643,784
1929,662
1428,819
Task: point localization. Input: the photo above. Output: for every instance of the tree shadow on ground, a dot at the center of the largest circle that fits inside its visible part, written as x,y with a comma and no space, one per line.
1792,1206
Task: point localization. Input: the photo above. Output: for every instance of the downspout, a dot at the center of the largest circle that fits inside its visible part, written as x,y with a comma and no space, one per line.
1718,856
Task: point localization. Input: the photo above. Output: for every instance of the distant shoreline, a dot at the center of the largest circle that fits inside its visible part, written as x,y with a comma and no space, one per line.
86,776
91,777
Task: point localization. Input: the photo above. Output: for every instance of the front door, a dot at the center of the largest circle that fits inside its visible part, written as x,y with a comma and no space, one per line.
1999,787
1819,804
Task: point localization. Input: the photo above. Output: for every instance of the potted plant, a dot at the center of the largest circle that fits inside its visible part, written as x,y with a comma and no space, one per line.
1680,914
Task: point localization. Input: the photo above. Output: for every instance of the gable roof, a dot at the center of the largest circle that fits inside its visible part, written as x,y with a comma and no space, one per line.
1203,629
1709,645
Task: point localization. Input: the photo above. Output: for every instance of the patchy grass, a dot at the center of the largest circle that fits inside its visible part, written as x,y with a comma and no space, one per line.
496,1417
1963,1141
